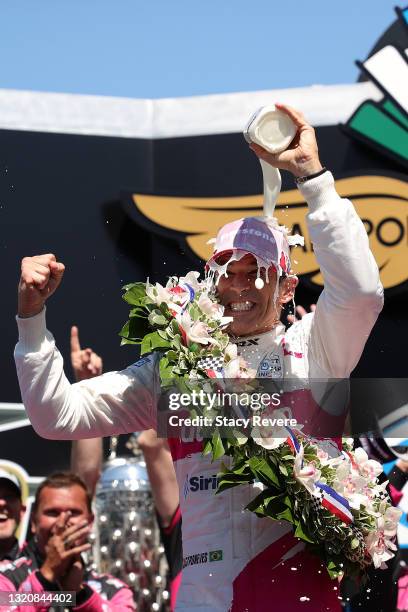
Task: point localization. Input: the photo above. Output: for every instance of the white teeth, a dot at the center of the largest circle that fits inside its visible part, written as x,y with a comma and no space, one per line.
241,306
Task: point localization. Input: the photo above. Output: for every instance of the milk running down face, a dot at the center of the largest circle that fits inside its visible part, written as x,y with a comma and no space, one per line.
253,310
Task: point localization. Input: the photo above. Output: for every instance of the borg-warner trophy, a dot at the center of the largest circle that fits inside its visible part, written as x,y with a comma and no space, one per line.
127,538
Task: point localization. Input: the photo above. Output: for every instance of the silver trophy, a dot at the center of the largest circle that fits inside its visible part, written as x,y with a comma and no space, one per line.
127,538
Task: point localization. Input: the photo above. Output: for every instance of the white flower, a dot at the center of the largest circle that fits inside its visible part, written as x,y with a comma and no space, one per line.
158,294
270,436
265,436
232,368
191,278
367,467
194,331
379,545
213,310
231,351
322,456
348,443
307,474
391,519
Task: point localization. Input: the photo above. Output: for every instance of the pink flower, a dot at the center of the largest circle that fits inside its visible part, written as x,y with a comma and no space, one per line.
380,548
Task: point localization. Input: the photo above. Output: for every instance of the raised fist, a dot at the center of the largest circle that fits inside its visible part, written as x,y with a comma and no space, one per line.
40,277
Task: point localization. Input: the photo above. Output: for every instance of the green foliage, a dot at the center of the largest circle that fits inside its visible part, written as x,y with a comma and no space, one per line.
300,532
134,330
152,342
135,294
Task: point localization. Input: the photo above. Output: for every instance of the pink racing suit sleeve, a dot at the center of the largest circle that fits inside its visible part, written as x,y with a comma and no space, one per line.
116,402
352,297
122,600
395,495
30,584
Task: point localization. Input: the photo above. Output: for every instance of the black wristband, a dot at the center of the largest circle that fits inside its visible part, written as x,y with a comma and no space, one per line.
47,584
303,179
83,594
397,478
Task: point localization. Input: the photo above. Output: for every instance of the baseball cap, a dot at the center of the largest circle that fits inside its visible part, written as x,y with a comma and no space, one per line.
5,475
261,237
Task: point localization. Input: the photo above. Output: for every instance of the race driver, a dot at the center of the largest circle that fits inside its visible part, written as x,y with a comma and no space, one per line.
232,560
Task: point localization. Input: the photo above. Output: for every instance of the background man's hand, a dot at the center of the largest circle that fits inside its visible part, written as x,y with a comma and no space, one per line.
302,156
40,277
85,362
301,312
64,547
74,577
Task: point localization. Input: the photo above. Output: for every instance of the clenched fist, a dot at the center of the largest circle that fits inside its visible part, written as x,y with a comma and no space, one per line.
40,277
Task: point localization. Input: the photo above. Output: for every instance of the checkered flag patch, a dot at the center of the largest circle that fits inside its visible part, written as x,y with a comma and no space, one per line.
211,363
316,502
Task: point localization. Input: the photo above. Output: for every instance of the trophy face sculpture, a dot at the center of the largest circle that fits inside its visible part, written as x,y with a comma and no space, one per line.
127,538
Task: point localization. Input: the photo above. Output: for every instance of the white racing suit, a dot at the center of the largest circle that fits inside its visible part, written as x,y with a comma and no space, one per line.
233,560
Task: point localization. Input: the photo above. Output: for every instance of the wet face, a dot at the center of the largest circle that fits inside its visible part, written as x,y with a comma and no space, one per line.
11,511
254,310
51,505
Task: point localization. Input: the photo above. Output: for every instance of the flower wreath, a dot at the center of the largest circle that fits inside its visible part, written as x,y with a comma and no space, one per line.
336,505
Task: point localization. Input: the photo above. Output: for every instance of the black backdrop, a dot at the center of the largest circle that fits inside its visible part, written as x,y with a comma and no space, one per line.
66,194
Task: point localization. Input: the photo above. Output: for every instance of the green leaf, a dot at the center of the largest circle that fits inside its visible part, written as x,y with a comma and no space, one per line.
260,499
224,485
152,342
263,471
218,447
231,480
284,515
135,294
283,470
127,341
300,533
156,318
207,447
166,370
134,330
138,311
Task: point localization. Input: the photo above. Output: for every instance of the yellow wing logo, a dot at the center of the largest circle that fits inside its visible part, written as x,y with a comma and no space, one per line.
380,201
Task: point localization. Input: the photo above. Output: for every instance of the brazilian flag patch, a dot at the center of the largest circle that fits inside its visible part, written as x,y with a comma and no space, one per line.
215,555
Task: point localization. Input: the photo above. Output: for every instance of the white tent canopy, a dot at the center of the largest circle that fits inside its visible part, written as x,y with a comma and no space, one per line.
172,117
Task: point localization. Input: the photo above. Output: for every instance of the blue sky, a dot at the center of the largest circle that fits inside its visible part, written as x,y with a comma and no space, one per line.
169,48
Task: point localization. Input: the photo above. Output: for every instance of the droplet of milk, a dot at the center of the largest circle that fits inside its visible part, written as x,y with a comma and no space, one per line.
259,284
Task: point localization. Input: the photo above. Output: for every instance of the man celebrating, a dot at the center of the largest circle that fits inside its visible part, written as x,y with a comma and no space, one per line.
232,560
11,514
61,522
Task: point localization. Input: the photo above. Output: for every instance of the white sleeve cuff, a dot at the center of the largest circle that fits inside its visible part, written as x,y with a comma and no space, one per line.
31,331
319,191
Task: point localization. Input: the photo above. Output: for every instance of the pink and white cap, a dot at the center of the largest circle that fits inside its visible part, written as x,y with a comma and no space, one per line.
261,237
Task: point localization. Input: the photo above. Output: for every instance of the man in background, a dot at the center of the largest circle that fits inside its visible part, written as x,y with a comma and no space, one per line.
52,561
11,514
